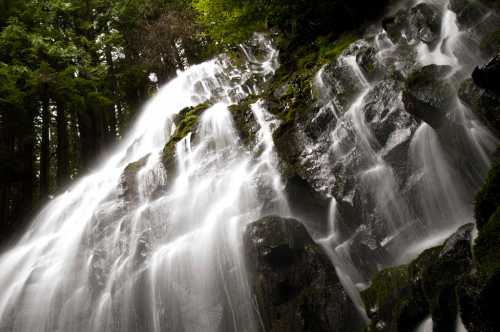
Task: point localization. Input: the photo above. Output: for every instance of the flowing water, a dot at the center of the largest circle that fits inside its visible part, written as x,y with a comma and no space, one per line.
416,185
170,259
94,260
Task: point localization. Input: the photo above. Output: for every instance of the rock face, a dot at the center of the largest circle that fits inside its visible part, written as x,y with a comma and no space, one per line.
422,23
128,181
480,291
295,284
488,76
402,297
427,95
482,93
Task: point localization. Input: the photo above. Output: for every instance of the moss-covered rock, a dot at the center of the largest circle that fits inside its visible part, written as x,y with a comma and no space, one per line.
399,298
295,285
244,120
186,122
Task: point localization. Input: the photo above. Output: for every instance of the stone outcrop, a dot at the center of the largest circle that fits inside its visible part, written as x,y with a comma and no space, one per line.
295,284
427,95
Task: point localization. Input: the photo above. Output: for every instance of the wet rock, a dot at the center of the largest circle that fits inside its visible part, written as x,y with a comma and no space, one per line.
342,82
306,203
295,284
478,294
367,253
484,103
384,112
244,121
488,76
427,96
186,121
128,181
400,298
469,12
366,58
421,23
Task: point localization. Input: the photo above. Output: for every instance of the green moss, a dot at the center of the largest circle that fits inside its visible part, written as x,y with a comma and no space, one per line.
244,121
186,121
329,51
296,76
488,198
386,285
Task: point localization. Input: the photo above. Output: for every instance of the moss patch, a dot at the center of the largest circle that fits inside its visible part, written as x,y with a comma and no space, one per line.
186,122
244,120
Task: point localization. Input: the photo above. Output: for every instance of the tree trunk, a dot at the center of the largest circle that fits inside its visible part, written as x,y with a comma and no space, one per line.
62,175
113,122
45,148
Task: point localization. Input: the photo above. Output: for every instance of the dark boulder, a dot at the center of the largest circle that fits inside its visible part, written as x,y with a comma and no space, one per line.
427,95
386,116
469,12
488,76
343,83
244,120
478,294
421,23
295,284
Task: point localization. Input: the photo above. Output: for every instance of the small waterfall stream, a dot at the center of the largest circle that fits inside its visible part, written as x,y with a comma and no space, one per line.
171,260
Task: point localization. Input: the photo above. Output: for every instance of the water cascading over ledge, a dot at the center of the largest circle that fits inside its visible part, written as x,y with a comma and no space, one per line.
152,240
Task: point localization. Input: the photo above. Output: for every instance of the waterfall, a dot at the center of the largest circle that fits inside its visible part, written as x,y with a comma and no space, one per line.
170,258
95,261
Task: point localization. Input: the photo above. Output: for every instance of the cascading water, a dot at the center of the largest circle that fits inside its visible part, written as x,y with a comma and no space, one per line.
165,253
411,183
96,260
